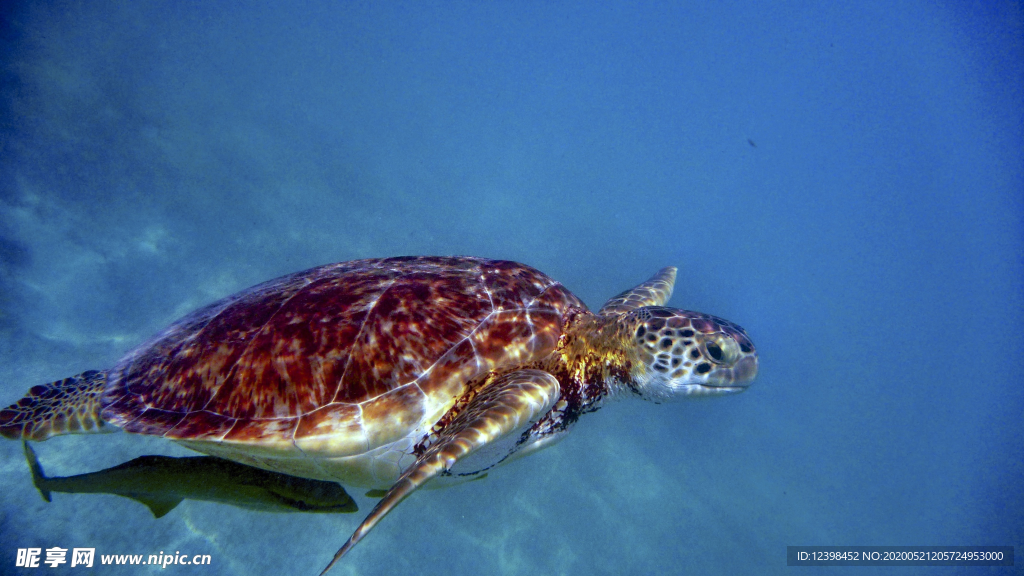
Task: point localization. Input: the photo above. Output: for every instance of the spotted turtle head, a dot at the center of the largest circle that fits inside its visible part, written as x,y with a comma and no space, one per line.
682,354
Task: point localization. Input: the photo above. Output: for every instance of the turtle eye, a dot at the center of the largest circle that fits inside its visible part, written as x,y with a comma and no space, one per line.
715,351
721,349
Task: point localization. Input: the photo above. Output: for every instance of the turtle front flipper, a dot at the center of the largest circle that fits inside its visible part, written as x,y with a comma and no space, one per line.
68,406
504,409
654,292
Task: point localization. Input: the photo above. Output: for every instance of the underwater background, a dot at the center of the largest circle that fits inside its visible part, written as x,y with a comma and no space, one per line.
844,180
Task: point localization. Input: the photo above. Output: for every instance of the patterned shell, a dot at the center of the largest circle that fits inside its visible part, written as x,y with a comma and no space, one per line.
339,359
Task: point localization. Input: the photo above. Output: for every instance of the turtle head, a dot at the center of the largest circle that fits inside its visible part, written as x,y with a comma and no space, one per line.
682,354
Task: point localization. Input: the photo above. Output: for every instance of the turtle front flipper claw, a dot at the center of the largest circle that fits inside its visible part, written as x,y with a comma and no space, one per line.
505,408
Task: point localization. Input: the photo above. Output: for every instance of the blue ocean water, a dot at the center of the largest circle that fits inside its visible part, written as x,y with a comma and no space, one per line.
845,181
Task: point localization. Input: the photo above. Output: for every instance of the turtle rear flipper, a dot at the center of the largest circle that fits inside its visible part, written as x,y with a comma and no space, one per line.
68,406
506,408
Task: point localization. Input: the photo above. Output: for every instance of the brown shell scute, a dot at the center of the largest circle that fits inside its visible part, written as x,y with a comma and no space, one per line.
413,322
307,349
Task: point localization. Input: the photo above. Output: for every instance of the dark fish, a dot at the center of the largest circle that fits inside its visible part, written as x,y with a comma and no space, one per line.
162,482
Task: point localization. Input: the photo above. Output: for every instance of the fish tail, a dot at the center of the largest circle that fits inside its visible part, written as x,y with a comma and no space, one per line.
38,478
68,406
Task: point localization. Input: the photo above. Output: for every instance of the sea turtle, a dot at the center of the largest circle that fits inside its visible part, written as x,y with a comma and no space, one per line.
387,373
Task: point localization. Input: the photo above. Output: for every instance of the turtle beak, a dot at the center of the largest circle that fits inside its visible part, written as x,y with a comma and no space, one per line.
740,375
742,372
